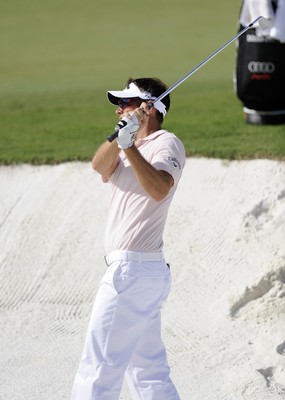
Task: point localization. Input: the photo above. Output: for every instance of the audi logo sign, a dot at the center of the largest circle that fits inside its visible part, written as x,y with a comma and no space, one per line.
261,67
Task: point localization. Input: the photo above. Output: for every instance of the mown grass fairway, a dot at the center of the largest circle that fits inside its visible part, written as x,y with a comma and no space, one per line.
58,59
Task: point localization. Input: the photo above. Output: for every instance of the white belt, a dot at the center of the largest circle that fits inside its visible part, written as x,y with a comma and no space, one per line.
128,255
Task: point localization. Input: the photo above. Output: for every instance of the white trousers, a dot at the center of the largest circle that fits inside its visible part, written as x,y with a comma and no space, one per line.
124,336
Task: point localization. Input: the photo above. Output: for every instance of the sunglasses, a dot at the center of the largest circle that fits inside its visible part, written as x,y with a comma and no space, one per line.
123,103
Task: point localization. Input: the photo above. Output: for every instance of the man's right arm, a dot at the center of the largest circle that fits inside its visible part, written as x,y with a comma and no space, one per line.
106,159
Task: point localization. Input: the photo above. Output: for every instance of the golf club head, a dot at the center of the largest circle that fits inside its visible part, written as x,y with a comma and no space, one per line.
264,23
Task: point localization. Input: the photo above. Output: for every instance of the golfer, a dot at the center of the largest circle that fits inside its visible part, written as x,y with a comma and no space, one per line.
142,167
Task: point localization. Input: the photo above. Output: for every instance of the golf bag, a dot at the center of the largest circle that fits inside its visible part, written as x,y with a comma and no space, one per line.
260,78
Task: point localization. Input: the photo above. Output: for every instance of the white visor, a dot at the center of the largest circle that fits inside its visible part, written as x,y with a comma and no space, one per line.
133,91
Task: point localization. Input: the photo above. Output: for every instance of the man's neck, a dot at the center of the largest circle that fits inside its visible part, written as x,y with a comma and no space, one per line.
146,130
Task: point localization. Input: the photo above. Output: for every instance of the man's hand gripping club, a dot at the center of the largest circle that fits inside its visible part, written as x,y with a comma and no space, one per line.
132,122
127,134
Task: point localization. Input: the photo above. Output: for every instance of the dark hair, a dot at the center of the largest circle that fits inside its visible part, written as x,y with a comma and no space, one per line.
155,87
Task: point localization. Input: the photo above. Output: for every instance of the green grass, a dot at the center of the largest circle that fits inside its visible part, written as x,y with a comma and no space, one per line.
58,59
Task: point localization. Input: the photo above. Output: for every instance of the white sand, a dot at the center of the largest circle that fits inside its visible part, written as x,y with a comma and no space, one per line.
224,322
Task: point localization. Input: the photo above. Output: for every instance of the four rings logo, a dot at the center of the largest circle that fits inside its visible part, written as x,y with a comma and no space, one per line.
261,67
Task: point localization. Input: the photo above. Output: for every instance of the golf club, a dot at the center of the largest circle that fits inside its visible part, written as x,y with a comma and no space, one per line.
263,23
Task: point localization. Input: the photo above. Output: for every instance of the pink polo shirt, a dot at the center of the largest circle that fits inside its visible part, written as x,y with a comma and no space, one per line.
136,222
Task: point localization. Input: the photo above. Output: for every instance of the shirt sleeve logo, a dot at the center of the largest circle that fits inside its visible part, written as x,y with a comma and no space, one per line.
175,162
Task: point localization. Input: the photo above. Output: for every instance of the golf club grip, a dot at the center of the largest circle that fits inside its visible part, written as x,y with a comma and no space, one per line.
121,124
112,137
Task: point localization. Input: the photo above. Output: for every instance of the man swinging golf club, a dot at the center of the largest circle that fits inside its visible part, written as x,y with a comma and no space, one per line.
143,167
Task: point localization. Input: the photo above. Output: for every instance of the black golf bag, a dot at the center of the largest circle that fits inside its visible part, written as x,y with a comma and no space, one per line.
260,78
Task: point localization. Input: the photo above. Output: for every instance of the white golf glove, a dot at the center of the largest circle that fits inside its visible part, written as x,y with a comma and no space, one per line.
127,134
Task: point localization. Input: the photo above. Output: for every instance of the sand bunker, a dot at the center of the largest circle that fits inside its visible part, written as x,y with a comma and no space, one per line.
224,322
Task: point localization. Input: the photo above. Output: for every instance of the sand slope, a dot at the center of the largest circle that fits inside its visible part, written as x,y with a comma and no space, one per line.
224,322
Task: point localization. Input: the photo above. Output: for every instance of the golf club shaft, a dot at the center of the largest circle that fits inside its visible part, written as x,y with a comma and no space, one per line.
174,86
